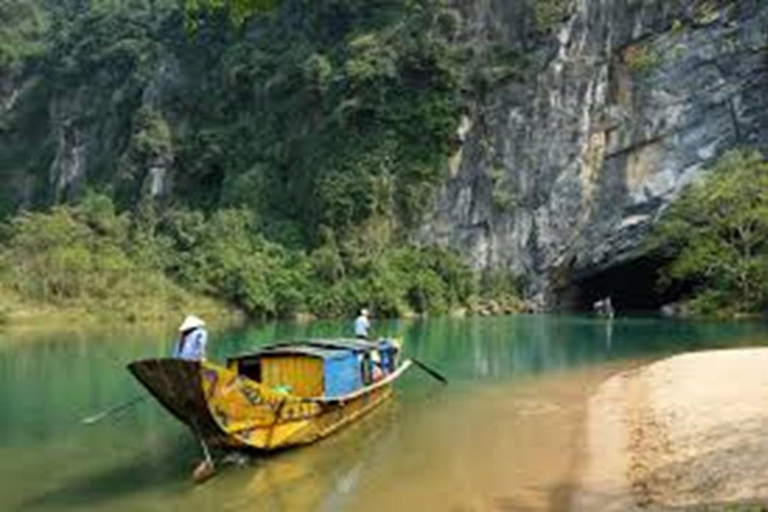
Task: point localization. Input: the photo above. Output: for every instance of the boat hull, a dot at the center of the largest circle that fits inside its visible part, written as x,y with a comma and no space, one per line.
228,410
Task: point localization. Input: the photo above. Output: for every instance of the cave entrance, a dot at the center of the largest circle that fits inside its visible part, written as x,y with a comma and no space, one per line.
632,286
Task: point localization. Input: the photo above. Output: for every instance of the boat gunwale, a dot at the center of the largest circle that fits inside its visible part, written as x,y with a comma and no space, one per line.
321,400
362,391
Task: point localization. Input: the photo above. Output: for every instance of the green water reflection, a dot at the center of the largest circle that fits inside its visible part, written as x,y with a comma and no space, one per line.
141,461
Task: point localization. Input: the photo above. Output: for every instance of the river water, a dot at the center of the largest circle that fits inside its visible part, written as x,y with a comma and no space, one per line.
506,434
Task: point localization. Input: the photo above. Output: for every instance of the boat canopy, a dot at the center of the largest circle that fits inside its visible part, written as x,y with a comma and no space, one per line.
314,347
310,368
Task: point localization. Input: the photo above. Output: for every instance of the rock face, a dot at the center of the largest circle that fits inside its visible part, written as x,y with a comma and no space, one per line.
585,131
562,174
84,132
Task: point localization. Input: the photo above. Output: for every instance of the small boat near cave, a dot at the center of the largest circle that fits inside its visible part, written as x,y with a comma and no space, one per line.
279,396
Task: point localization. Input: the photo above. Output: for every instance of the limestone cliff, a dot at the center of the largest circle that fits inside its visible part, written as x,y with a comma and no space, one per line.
561,174
582,120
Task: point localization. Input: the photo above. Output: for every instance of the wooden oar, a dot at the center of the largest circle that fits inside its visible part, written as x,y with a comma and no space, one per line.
206,468
434,373
90,420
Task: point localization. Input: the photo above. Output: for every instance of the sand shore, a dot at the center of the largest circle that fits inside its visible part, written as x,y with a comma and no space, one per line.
686,433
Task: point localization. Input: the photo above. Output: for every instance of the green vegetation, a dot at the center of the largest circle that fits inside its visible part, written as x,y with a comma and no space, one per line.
278,166
89,257
23,23
717,233
706,12
550,12
238,11
749,507
641,59
84,258
503,196
319,119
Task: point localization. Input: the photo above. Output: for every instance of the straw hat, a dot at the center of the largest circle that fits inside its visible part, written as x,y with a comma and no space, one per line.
191,322
364,312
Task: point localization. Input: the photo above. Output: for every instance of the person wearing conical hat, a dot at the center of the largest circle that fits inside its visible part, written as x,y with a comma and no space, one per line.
192,339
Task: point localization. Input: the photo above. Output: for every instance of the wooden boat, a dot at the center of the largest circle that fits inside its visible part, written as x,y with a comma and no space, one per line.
279,396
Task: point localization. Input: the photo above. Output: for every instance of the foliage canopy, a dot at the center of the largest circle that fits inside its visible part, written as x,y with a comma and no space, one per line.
717,232
278,166
90,256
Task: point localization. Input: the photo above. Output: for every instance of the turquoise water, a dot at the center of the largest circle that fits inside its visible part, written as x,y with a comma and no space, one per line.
512,403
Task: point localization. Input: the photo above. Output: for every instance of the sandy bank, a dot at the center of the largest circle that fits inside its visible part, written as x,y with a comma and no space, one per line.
686,433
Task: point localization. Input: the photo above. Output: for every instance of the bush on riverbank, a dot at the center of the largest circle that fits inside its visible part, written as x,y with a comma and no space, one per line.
92,258
84,258
717,236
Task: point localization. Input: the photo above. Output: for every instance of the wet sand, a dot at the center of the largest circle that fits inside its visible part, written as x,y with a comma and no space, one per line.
686,433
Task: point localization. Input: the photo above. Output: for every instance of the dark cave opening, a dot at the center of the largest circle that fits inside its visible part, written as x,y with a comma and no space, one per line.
631,285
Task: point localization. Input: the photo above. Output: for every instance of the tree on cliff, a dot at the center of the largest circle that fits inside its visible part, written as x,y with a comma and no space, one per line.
718,233
301,152
22,24
238,10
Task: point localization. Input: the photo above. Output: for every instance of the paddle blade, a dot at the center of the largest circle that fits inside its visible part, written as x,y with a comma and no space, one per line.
203,471
431,371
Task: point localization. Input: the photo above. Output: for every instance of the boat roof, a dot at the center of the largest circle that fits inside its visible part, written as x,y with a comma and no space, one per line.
314,347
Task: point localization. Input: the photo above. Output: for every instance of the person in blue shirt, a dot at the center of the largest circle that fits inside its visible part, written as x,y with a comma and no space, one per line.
192,340
362,325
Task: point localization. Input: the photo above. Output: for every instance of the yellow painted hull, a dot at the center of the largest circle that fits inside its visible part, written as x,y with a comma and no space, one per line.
232,411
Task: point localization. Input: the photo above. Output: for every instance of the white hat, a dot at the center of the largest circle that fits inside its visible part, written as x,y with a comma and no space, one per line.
364,312
191,322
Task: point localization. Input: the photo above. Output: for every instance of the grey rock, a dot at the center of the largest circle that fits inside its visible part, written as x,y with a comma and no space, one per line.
68,168
597,144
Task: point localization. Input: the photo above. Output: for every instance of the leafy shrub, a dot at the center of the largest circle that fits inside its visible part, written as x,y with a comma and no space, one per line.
706,12
503,196
79,257
641,59
90,256
550,12
717,234
24,23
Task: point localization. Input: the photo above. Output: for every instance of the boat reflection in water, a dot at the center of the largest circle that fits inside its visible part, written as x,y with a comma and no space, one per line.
318,479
